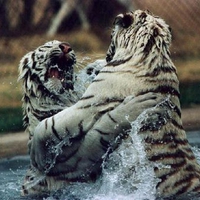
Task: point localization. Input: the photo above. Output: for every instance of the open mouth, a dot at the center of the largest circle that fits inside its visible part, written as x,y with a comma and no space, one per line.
60,71
60,68
55,72
63,77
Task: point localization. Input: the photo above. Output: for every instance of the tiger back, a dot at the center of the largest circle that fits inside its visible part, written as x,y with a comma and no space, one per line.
148,38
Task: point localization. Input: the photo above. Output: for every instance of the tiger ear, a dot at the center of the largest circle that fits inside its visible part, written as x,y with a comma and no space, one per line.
118,20
24,70
24,67
127,20
124,20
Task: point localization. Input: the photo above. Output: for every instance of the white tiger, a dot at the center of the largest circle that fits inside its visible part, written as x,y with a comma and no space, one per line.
49,86
140,43
48,78
47,74
138,62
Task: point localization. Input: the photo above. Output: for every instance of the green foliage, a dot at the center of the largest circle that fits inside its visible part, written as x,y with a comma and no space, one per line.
10,119
190,93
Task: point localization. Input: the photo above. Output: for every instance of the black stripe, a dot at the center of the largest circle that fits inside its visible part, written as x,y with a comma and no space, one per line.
185,179
190,168
176,124
84,107
93,176
165,176
110,100
112,119
34,64
196,189
80,135
118,62
105,72
97,80
54,130
127,71
167,155
150,43
159,70
25,62
43,183
40,115
87,97
67,131
152,62
177,141
189,152
167,138
101,132
183,189
163,89
105,102
46,124
80,125
177,110
104,144
33,56
178,164
106,110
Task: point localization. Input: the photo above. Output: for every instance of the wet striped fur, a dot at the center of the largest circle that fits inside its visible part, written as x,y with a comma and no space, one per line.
138,63
49,85
47,76
48,82
140,44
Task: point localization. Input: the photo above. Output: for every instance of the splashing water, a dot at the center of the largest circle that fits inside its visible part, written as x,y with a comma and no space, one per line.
119,180
83,79
126,174
11,173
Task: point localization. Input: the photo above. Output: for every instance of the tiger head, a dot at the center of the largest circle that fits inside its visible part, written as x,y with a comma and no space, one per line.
48,69
135,35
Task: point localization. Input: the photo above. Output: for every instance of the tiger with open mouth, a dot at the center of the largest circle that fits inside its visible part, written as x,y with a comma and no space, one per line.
47,74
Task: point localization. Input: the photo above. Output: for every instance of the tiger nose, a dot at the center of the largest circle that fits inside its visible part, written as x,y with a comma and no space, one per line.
65,47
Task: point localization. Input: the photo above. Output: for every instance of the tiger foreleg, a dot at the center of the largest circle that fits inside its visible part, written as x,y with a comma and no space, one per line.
104,136
82,159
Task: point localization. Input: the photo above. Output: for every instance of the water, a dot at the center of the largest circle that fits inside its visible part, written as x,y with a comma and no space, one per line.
118,182
11,174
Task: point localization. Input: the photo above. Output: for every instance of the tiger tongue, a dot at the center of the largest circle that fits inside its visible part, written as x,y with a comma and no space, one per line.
54,73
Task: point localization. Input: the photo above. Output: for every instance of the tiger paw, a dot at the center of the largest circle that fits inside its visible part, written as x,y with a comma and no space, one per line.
34,183
94,68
